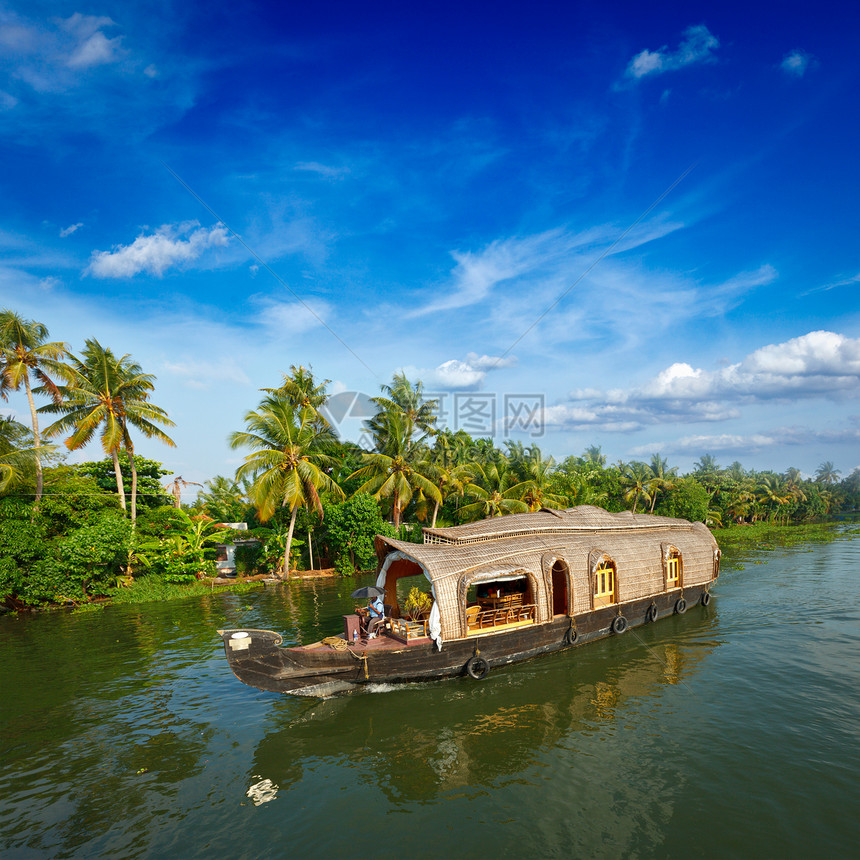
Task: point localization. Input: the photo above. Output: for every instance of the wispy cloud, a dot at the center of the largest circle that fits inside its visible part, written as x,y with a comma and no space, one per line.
92,47
67,231
741,443
697,46
292,318
524,261
50,56
820,364
326,171
796,63
842,282
203,374
158,251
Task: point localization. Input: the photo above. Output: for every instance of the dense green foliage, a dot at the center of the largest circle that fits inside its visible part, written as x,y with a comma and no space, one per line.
71,533
348,532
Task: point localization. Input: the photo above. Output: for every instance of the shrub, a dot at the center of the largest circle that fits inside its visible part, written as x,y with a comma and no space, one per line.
349,529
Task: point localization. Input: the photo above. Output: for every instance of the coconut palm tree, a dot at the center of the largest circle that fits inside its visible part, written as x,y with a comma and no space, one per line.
112,394
406,399
397,471
288,462
773,492
16,452
496,491
594,456
706,465
224,499
25,351
827,473
302,391
662,476
636,477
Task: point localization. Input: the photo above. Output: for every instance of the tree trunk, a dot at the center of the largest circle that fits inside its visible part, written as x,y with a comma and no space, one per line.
289,542
130,451
120,489
396,507
435,512
37,439
653,502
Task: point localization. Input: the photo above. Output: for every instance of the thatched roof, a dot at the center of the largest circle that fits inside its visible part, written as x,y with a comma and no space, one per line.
548,521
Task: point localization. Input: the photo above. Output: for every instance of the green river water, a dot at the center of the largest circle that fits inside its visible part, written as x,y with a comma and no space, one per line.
731,731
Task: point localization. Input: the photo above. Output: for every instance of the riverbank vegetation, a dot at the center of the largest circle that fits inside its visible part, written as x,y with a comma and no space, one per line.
302,498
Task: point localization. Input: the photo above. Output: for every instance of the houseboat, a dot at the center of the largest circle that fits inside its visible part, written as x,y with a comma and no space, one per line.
503,589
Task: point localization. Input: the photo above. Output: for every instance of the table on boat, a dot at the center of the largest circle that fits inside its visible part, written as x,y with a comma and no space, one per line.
506,601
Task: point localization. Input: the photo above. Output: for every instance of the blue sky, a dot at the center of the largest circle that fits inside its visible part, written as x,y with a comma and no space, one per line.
642,217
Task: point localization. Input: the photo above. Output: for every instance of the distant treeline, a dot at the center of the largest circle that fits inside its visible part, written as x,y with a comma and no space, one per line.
70,533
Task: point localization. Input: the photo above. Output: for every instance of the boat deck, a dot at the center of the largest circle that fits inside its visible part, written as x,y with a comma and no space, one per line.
380,643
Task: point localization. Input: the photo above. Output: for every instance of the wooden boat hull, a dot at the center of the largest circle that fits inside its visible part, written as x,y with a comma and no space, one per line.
260,660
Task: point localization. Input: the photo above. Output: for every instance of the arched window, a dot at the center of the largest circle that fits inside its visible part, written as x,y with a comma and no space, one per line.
605,590
673,567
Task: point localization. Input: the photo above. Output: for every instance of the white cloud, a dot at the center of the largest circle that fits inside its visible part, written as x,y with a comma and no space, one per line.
67,231
151,71
285,319
204,374
7,100
97,50
820,364
697,46
796,63
158,251
458,375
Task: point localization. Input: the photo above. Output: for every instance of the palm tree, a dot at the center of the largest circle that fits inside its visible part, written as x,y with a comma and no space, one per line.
224,499
24,350
594,456
175,488
405,399
112,394
826,473
706,465
537,472
495,490
288,462
16,452
773,492
636,478
302,391
661,480
397,471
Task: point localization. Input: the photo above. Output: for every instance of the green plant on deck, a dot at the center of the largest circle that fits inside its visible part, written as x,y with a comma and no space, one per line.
417,604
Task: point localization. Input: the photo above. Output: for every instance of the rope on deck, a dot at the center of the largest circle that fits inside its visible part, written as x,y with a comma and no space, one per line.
339,644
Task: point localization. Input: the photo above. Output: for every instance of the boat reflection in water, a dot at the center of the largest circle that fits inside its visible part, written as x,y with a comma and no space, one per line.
529,723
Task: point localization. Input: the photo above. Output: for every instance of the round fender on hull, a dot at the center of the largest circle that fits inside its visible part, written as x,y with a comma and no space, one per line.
706,598
571,636
477,668
651,613
680,606
619,624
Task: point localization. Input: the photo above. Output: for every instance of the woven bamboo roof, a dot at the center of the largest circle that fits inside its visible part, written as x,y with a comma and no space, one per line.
548,521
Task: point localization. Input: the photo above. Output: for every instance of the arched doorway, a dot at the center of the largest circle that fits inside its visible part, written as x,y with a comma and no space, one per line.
560,589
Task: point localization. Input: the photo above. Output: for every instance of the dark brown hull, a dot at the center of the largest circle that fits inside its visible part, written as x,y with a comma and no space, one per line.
324,671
